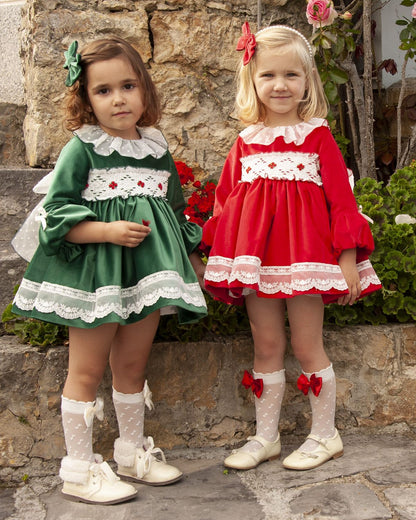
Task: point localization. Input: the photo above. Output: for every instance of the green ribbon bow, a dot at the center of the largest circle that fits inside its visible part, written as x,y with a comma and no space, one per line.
72,63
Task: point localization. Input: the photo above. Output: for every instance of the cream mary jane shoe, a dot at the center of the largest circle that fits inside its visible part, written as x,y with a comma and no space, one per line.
141,465
93,483
327,449
246,460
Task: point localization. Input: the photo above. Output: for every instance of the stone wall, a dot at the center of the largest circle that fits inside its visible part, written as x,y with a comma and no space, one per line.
198,398
189,47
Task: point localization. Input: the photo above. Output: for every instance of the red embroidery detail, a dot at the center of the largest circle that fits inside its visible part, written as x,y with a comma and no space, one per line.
300,166
160,186
145,222
248,169
141,184
112,185
87,186
272,165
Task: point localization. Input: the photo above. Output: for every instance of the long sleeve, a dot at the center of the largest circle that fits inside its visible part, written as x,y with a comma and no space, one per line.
63,203
349,229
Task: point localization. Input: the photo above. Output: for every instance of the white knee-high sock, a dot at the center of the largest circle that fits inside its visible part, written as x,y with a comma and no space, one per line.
323,408
268,407
130,410
77,418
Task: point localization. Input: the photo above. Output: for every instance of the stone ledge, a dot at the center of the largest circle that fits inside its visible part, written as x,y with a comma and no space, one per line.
198,397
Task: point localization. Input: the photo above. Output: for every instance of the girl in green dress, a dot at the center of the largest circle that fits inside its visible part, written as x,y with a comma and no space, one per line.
115,251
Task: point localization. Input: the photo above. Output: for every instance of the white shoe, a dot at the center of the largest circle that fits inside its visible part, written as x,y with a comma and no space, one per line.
93,483
327,449
248,460
141,465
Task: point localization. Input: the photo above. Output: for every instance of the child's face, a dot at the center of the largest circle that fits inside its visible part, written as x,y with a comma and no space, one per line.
115,96
280,83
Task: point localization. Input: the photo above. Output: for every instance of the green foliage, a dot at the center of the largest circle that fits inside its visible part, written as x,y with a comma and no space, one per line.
394,258
35,332
408,33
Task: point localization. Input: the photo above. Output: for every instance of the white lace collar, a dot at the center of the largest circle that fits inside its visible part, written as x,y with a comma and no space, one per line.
261,134
151,143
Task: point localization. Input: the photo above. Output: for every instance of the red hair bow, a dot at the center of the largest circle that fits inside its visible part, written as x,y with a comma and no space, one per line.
314,383
256,385
246,43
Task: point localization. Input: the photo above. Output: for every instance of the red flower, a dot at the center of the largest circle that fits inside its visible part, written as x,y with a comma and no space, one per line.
300,166
184,172
112,185
197,184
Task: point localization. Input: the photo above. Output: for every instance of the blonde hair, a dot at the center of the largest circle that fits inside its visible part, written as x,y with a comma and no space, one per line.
77,108
278,37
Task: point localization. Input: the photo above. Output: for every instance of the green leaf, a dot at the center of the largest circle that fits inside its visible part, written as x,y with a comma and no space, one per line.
331,92
338,76
401,22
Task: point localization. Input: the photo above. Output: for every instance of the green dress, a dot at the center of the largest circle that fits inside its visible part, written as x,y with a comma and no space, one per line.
105,178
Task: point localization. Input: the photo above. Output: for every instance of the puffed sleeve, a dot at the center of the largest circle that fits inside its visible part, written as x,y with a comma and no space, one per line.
191,232
63,206
230,176
349,229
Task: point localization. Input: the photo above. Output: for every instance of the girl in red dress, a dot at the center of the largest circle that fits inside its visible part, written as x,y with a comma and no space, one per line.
286,235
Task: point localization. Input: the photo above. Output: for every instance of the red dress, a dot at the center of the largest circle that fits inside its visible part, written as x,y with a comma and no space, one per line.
284,211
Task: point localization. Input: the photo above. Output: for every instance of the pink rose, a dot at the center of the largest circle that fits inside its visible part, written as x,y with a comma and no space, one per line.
414,11
320,12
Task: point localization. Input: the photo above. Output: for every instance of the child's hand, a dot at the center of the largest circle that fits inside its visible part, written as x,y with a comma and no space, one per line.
199,268
124,233
347,262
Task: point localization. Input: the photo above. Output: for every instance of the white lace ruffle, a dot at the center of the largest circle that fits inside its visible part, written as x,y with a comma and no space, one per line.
291,166
266,135
299,277
74,304
151,143
125,182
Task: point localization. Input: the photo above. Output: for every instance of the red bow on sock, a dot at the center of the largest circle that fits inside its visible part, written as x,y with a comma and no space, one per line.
314,383
256,385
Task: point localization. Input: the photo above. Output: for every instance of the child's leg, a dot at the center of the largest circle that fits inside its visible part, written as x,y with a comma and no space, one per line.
306,320
267,321
86,477
128,359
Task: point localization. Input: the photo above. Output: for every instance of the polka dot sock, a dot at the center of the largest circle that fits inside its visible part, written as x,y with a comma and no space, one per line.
323,408
130,416
268,407
78,436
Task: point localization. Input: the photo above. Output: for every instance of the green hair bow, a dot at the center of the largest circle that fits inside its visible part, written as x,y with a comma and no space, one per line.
72,63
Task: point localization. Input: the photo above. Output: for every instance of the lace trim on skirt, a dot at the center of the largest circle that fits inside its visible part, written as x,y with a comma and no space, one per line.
72,304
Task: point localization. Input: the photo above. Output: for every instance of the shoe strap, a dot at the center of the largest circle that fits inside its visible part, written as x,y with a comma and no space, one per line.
262,441
319,440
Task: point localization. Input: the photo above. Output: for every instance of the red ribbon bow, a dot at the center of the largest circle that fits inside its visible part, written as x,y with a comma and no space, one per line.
256,385
246,43
314,383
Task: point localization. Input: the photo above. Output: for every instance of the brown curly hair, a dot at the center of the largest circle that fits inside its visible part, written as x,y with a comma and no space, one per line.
77,108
